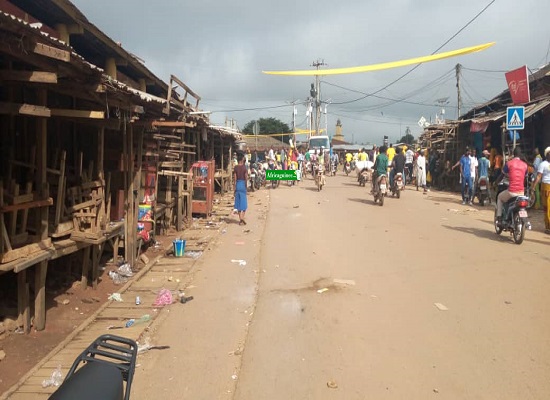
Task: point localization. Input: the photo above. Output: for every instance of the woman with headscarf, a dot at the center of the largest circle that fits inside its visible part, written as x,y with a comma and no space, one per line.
240,177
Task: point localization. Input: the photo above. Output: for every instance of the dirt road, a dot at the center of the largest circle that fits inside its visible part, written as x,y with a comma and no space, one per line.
423,299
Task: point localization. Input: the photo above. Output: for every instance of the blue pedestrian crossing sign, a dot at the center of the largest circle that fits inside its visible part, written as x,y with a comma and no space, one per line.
515,117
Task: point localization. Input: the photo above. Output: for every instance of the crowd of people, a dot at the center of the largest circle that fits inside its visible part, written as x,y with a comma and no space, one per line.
419,168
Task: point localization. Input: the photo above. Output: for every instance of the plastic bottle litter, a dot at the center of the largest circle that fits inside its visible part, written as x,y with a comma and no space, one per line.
115,297
55,380
242,263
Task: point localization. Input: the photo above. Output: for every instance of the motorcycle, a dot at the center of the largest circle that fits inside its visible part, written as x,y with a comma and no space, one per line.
482,190
254,177
529,179
333,167
380,189
273,166
107,364
347,168
364,176
397,185
319,176
514,216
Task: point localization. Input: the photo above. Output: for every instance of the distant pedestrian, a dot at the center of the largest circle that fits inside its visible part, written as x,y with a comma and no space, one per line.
543,174
421,171
240,177
465,176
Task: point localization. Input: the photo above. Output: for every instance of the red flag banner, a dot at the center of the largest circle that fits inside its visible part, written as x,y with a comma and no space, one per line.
518,83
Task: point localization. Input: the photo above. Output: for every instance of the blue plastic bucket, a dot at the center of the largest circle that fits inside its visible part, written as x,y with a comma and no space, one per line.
179,247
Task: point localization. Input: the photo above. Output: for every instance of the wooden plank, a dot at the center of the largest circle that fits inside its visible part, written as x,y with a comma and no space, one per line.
68,247
22,198
174,173
25,251
185,87
69,113
24,109
173,124
25,206
28,76
52,52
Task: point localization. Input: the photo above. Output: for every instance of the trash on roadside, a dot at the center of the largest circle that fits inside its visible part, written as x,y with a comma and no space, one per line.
116,297
332,385
349,282
117,278
441,307
239,243
65,302
2,355
184,299
242,263
125,270
193,254
296,207
55,380
164,298
323,290
144,318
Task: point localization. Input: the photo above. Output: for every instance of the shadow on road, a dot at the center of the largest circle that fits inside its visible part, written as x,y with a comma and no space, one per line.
440,199
482,233
364,201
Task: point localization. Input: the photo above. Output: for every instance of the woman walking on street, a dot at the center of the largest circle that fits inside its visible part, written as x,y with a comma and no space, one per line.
543,174
240,177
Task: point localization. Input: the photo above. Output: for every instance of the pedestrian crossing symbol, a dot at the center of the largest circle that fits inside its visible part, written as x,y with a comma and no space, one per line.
515,117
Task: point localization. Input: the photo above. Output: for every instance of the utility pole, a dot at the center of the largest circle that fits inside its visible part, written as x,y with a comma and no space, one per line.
459,98
316,93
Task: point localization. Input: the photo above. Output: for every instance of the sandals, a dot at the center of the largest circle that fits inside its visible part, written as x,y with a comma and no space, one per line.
241,222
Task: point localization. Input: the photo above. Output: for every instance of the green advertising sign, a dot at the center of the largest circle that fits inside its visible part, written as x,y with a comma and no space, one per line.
280,175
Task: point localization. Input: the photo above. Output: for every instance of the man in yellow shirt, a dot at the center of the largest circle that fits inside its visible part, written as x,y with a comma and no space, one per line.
390,153
363,156
349,157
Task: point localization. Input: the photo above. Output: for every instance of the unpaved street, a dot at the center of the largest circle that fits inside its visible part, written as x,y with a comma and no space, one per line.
424,300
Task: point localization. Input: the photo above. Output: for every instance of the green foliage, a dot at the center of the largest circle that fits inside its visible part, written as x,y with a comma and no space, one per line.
408,139
268,126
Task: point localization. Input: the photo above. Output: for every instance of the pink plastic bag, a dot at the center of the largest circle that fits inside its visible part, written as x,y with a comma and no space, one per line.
164,298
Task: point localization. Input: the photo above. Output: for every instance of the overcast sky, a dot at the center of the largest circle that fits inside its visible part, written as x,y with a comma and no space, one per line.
219,48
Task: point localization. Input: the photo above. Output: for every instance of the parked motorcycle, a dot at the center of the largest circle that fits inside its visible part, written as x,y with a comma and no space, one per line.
107,364
529,179
514,216
397,185
347,168
273,166
319,176
254,177
380,189
482,190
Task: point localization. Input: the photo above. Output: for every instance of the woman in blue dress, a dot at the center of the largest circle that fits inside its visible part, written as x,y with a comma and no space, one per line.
240,177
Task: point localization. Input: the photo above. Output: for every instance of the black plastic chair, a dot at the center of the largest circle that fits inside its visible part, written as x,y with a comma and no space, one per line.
107,363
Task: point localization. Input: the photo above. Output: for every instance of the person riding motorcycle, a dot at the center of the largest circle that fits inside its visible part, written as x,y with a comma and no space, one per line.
398,166
516,169
380,167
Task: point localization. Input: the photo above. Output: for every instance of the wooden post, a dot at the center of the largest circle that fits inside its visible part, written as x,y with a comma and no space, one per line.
222,189
96,252
230,166
126,192
23,305
60,202
85,267
41,271
132,237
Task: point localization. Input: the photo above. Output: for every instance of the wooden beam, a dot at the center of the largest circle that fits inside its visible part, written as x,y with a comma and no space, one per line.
25,206
85,268
52,52
24,109
173,124
28,76
25,251
68,113
23,301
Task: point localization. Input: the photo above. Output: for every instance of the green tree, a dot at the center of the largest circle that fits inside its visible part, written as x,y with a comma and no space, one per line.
408,138
268,126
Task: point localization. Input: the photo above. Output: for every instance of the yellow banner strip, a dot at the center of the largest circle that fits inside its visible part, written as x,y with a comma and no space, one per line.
387,65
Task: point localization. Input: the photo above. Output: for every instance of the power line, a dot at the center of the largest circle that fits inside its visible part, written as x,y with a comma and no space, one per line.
416,66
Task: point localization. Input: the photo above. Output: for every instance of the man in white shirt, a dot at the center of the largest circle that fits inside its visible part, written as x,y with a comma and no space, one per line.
409,162
473,168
